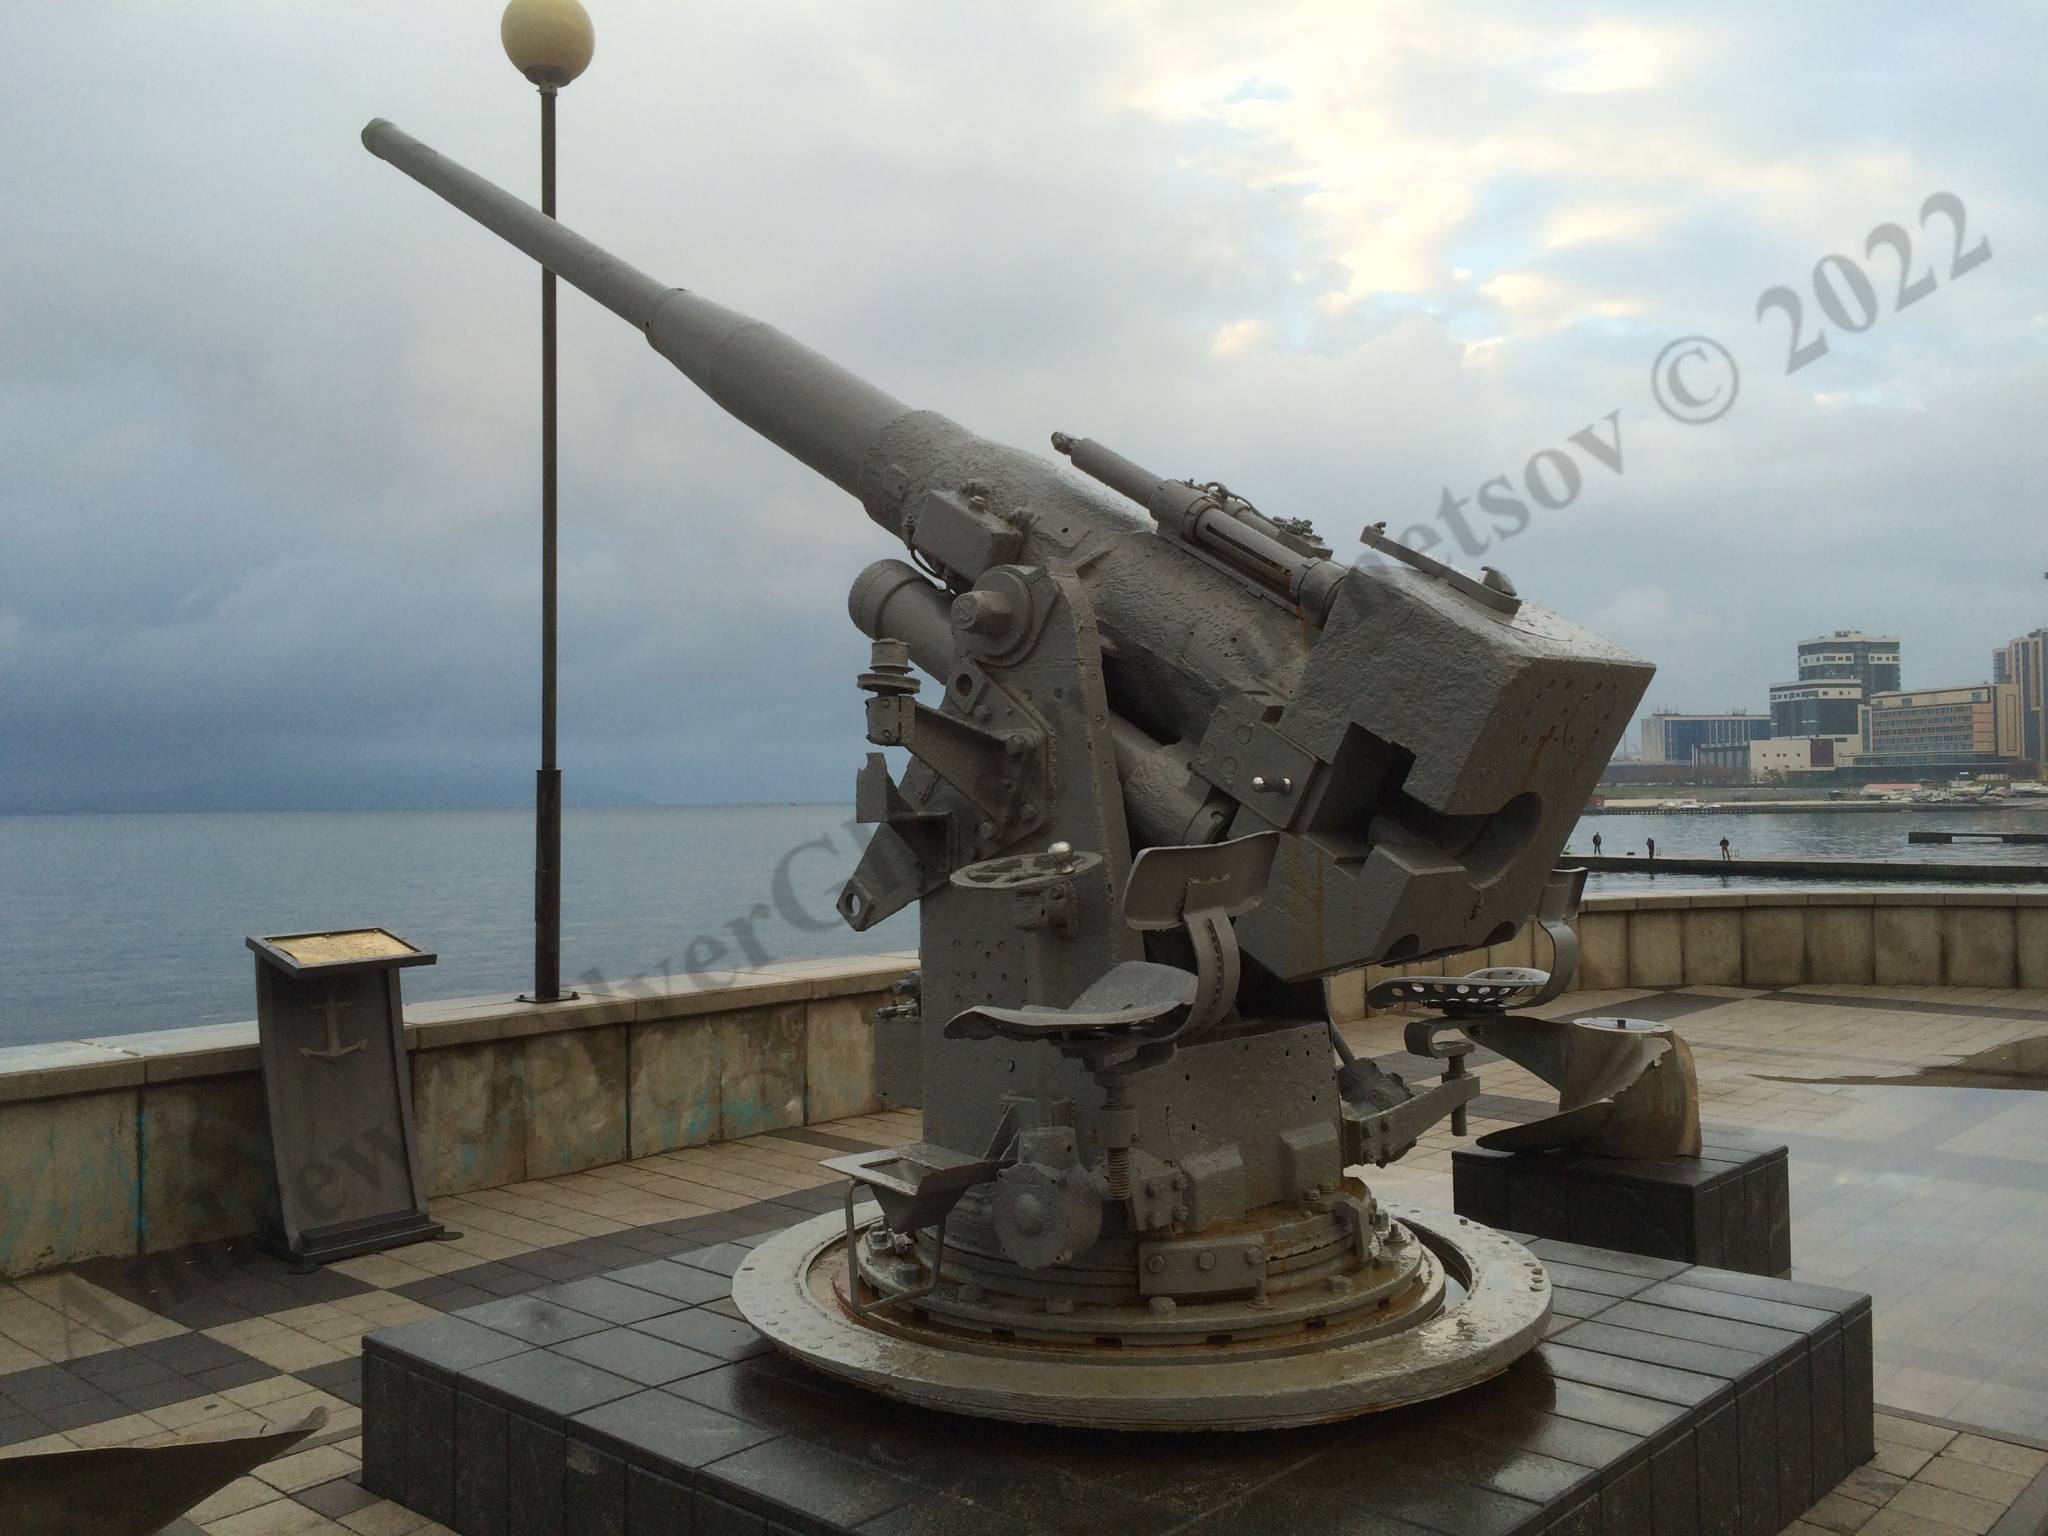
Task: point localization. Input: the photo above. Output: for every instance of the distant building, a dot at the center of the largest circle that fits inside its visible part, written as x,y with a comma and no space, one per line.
1838,675
1776,756
2023,663
1670,737
1816,709
1956,730
1852,656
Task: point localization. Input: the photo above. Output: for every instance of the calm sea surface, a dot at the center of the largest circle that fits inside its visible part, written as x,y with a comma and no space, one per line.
113,924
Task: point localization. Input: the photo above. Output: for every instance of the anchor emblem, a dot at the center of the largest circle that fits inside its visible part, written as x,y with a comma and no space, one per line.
332,1011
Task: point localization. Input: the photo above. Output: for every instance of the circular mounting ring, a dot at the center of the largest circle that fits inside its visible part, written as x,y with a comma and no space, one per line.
1501,1315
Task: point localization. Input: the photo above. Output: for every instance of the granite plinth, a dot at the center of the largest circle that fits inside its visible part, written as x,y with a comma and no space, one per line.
1729,1208
1668,1399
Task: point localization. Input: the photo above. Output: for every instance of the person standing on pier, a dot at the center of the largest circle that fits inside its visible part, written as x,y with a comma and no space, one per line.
1651,844
1596,845
1726,856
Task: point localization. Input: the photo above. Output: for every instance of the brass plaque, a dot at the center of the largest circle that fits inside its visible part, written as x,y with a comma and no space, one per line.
351,944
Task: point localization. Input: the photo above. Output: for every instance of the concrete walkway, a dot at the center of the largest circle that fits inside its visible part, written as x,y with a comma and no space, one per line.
1920,1173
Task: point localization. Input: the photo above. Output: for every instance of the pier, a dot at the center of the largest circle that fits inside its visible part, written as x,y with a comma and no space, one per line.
1987,837
1860,870
1789,807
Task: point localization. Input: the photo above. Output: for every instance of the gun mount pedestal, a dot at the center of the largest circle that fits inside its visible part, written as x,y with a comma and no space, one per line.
1088,1270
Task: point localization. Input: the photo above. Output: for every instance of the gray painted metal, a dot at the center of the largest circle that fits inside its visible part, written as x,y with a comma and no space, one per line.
1625,1088
335,1080
1435,749
134,1490
786,1287
1140,678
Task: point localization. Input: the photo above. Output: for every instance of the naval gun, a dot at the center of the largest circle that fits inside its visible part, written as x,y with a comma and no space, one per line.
1180,765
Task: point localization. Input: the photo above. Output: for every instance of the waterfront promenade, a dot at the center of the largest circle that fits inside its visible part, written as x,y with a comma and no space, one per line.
1919,1138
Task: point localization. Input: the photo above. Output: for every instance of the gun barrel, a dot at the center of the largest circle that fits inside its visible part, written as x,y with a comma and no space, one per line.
822,415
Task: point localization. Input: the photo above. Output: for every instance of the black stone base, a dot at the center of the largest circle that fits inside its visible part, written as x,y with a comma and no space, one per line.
1667,1401
1730,1207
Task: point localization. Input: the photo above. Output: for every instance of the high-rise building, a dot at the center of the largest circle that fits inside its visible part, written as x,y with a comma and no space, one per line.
1838,675
1816,709
1872,660
1670,737
2023,663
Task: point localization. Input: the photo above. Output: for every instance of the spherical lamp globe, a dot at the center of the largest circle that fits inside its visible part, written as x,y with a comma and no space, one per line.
548,41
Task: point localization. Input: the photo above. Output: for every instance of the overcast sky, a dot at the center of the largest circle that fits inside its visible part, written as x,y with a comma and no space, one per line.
268,516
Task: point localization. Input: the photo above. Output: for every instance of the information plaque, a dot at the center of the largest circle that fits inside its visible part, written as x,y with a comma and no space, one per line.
338,1092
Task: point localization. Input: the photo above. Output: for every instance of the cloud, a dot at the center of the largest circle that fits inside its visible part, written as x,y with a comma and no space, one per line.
268,531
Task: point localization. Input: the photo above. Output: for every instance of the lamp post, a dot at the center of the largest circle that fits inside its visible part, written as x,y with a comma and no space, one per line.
550,43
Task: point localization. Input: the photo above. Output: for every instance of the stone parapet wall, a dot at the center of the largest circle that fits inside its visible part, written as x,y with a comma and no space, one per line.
140,1143
1884,938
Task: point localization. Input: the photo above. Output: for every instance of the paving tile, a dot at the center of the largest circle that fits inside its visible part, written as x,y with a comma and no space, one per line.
279,1518
607,1300
341,1378
1868,1485
78,1412
638,1357
1945,1507
128,1367
552,1384
1974,1478
720,1259
656,1428
243,1493
1899,1522
1901,1431
288,1352
239,1373
940,1514
305,1469
2022,1459
338,1497
528,1318
126,1430
1835,1512
553,1268
503,1281
604,1252
384,1519
786,1477
1902,1461
271,1387
680,1282
708,1332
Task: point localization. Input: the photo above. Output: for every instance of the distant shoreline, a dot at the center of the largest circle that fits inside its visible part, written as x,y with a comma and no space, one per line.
430,810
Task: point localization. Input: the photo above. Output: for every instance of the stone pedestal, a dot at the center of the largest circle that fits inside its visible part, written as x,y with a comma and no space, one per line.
1730,1207
1668,1398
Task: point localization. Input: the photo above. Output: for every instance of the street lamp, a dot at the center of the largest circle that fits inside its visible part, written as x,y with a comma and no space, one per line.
550,43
